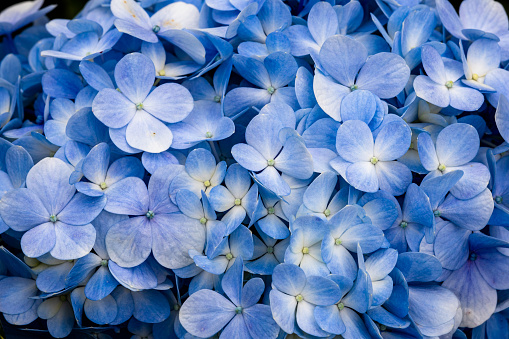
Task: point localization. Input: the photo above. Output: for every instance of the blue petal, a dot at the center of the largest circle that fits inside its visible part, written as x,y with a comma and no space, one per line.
133,234
128,196
342,57
61,83
73,242
150,306
384,74
206,321
101,284
171,244
281,68
283,309
101,311
419,266
15,293
135,278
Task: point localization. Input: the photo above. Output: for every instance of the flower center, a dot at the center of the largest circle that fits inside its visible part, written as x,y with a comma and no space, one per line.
403,224
63,298
104,262
354,87
238,310
203,221
217,98
436,213
305,250
161,73
53,218
139,106
149,214
103,185
176,307
498,199
156,29
341,306
208,135
473,257
206,183
270,249
238,202
229,256
373,160
338,241
441,167
270,162
271,90
326,212
270,210
299,297
475,76
449,84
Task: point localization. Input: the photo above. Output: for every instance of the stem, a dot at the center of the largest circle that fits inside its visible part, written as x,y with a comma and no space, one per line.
214,151
157,81
179,300
487,143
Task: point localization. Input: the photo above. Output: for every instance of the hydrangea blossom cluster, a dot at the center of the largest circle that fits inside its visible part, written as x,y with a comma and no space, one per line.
255,169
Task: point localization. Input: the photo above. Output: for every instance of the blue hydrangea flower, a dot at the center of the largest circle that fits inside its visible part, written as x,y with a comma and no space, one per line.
101,282
167,23
347,229
237,198
85,46
266,155
152,213
482,57
18,15
204,123
305,248
319,198
101,175
270,80
441,86
55,219
323,22
201,173
345,67
295,297
455,148
355,297
483,271
137,113
269,216
190,205
207,312
238,244
267,254
468,25
368,162
416,220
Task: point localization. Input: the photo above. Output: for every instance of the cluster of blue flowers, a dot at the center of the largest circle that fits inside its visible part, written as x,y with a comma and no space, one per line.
256,169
